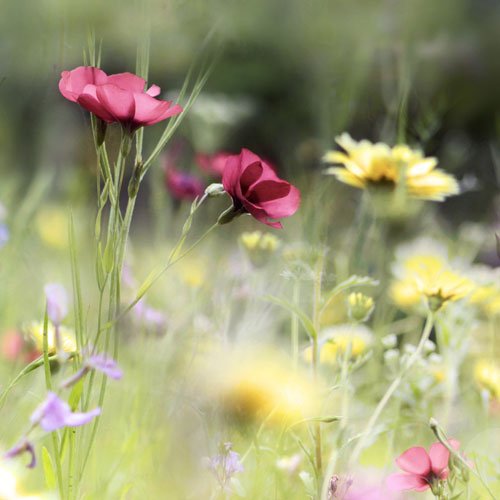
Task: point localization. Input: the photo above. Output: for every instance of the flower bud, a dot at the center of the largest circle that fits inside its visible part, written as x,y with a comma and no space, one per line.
215,189
360,307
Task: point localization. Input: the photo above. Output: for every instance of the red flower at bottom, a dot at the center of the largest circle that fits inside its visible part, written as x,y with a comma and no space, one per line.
255,188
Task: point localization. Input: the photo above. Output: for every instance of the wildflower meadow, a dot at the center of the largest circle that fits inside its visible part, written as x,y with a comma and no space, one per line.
249,250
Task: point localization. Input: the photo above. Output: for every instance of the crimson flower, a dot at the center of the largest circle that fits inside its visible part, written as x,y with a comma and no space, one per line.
116,98
213,164
255,188
422,470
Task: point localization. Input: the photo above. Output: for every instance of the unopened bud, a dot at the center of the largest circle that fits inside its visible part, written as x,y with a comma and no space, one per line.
360,307
215,189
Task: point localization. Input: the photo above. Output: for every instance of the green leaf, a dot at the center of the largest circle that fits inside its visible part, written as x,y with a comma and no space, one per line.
304,319
75,395
48,469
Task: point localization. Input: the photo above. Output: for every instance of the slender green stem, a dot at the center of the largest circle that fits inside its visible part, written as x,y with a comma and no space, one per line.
318,277
294,327
392,388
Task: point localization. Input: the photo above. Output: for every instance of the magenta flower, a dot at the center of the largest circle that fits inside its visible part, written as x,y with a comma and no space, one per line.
213,164
116,98
422,470
57,302
54,414
255,188
181,185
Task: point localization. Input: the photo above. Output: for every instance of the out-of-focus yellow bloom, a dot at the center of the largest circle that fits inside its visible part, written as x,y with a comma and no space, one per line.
52,226
261,386
427,277
193,272
369,164
487,376
486,295
336,340
360,306
259,246
9,487
35,332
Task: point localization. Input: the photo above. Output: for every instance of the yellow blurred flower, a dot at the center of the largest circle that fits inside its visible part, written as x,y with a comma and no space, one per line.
486,295
336,340
52,226
35,332
424,275
9,486
378,164
259,385
193,271
487,376
259,246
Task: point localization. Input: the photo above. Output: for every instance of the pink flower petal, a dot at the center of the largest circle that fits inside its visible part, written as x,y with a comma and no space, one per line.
73,82
439,456
415,461
128,81
88,100
403,482
149,110
153,91
117,102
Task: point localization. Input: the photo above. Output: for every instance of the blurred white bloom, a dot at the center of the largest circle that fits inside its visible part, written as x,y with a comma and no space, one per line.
389,341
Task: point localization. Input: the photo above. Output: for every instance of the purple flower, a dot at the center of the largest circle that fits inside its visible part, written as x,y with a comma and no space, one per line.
150,317
54,414
225,465
57,302
4,235
99,362
22,447
106,365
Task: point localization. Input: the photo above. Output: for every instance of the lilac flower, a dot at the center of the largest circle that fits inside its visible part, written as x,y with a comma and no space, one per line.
54,414
225,465
99,362
106,365
57,302
150,317
4,234
22,447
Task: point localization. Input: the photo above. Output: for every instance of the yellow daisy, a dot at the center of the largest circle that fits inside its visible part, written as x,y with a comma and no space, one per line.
423,274
336,340
367,164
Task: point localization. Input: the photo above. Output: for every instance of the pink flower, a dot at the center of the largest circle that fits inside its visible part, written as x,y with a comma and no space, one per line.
183,186
421,469
255,188
116,98
213,164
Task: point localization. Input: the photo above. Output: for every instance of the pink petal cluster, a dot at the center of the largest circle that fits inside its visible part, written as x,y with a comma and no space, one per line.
421,469
116,98
212,164
255,188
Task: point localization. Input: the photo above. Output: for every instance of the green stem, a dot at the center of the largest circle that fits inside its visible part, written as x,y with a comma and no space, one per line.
392,388
318,276
294,328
